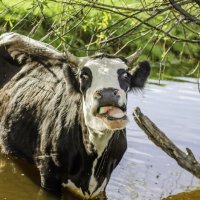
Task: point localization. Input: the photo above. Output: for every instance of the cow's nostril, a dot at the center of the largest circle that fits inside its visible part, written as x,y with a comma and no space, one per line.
116,92
98,94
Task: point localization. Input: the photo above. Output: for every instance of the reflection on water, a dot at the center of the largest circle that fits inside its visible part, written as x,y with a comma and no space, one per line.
145,172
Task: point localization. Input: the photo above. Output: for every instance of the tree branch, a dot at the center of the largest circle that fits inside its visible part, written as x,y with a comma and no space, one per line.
145,21
187,15
185,160
197,1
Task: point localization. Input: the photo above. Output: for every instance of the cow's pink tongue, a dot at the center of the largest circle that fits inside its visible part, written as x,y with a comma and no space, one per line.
116,113
112,111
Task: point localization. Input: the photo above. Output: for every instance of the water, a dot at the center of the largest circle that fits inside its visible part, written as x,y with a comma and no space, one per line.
145,172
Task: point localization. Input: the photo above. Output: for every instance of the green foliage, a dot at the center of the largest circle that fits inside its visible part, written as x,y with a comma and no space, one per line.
86,27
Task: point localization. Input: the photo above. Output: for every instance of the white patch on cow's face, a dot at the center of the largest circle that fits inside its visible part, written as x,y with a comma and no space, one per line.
104,75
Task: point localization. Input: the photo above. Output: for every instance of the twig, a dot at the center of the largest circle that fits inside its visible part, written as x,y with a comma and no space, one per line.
145,21
185,160
187,15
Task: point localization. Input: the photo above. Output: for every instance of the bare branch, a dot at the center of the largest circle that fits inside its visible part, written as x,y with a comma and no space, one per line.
185,160
145,21
187,15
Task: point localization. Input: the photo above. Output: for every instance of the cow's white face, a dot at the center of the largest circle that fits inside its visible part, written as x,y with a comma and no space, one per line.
104,83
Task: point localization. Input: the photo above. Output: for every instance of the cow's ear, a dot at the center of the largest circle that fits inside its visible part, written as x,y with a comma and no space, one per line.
140,74
70,74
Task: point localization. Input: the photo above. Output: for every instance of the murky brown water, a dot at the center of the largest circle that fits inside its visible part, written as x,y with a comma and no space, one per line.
192,195
145,173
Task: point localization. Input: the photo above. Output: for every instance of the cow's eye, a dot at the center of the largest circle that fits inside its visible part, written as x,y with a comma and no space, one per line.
84,76
126,76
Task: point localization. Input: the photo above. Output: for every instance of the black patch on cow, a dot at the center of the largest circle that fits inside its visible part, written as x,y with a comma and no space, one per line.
22,133
9,66
111,156
124,79
85,79
73,158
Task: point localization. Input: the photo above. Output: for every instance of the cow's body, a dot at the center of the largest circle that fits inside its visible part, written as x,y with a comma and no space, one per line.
43,118
43,123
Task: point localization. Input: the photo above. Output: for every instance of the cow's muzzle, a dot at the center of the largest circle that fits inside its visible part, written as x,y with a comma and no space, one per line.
109,110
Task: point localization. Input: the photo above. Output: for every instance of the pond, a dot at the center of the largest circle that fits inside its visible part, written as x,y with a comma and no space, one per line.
145,172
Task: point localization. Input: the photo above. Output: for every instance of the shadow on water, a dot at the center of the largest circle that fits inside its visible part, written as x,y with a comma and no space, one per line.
145,172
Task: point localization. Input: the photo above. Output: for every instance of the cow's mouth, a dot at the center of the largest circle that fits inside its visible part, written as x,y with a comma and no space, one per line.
111,113
113,117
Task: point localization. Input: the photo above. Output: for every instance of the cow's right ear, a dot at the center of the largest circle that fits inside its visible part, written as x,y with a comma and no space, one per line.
140,74
70,74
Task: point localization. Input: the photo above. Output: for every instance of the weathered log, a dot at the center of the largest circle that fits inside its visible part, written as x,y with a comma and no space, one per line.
185,160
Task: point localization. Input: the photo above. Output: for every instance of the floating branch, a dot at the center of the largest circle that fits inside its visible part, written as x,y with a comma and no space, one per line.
185,160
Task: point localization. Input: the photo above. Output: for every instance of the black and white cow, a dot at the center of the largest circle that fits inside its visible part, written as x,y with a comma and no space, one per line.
63,113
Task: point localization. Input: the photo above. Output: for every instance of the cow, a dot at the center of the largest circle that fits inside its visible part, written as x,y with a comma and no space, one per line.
66,114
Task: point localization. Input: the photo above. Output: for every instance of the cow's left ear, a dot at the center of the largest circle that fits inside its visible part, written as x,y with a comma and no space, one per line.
70,77
140,74
71,69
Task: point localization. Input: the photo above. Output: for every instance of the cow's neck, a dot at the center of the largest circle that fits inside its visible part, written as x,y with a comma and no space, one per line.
99,140
95,142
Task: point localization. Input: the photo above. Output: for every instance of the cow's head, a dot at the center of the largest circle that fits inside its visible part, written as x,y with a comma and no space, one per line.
104,82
